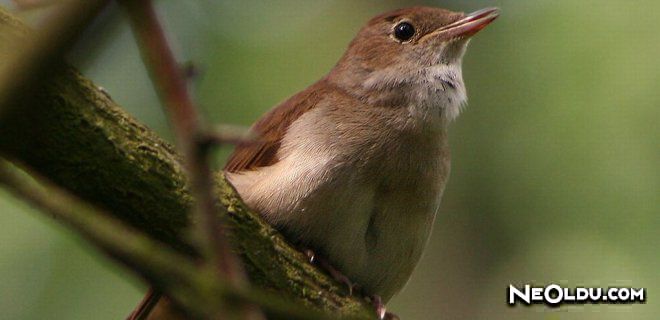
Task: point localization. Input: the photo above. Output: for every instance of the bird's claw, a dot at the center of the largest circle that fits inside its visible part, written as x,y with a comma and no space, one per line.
336,274
311,256
381,309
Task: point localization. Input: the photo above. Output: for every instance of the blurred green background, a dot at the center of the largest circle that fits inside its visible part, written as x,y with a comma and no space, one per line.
555,161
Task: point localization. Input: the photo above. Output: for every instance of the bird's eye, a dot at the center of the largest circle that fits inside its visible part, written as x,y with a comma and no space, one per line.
404,31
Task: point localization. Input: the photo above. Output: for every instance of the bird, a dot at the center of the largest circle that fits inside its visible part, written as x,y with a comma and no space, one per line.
354,166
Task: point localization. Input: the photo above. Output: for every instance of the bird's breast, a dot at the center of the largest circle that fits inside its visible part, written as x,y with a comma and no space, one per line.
360,191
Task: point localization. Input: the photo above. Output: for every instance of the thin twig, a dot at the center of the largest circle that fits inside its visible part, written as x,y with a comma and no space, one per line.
171,85
146,305
229,134
198,287
170,82
150,259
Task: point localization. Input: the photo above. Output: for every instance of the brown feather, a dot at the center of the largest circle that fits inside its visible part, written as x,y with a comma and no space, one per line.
272,127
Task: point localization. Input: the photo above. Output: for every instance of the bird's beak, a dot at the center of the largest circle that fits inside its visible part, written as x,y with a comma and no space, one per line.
469,25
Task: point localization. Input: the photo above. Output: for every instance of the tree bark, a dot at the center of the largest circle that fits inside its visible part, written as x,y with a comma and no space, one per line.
69,131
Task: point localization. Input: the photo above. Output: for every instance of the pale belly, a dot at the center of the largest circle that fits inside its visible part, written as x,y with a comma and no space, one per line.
366,202
378,241
372,225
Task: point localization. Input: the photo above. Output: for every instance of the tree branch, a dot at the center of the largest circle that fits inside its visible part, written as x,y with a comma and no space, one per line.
79,138
38,53
199,288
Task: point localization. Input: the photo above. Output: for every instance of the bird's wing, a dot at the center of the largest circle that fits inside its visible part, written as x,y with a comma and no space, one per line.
270,130
247,156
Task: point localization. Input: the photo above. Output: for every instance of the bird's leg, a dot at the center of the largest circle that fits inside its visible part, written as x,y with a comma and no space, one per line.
311,256
376,301
381,310
336,274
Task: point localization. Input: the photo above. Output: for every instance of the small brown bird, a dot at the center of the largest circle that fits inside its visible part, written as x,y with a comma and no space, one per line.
354,166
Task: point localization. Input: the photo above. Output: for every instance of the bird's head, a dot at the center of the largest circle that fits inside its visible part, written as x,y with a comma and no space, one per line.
403,56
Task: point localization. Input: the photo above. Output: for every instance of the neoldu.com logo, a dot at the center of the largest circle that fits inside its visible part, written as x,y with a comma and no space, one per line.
555,295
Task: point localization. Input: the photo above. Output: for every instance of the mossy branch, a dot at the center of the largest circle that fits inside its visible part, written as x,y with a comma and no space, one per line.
72,133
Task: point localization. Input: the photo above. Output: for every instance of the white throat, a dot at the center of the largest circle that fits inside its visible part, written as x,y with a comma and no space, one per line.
432,93
445,89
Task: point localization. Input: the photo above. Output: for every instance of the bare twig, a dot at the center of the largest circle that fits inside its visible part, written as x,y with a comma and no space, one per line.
229,134
171,86
150,259
146,305
199,288
170,82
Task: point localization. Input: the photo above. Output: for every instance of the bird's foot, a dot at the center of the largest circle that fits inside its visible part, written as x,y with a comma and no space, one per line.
336,274
376,301
311,256
381,310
